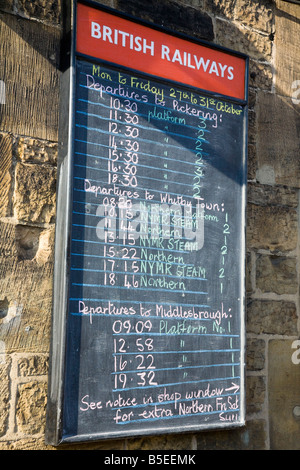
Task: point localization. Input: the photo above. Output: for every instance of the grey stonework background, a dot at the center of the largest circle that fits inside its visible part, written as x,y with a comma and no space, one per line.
269,32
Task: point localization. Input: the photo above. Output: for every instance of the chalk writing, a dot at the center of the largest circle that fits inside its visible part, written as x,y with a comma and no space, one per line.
155,277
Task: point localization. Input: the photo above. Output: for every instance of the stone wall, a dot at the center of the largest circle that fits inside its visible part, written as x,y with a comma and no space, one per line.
269,32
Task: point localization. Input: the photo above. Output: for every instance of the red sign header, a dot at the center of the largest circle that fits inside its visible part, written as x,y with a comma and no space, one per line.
109,37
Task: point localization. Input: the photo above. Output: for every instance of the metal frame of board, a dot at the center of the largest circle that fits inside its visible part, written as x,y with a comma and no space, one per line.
63,221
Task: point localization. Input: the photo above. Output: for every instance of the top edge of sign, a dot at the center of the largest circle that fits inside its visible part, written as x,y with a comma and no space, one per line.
109,35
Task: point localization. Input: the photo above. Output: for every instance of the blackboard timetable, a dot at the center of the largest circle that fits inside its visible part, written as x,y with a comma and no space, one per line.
155,301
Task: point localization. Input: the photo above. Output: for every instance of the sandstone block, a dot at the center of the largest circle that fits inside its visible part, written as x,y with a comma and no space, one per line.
287,46
6,5
271,317
4,394
252,130
257,15
255,354
249,287
34,243
272,228
31,76
221,8
35,193
272,195
256,394
27,241
8,247
276,116
250,42
31,407
36,151
32,366
5,174
252,99
276,274
42,10
26,288
251,163
27,443
172,15
25,322
260,75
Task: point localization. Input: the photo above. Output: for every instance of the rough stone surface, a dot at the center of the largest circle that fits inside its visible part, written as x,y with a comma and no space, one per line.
26,287
278,116
4,393
249,287
259,17
33,443
172,15
36,151
32,366
248,41
255,354
287,46
221,8
5,174
276,274
6,5
256,394
280,196
251,164
271,317
35,193
260,75
42,10
272,228
31,407
29,53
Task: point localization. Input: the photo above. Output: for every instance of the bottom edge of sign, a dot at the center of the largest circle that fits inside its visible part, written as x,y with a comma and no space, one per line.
181,429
